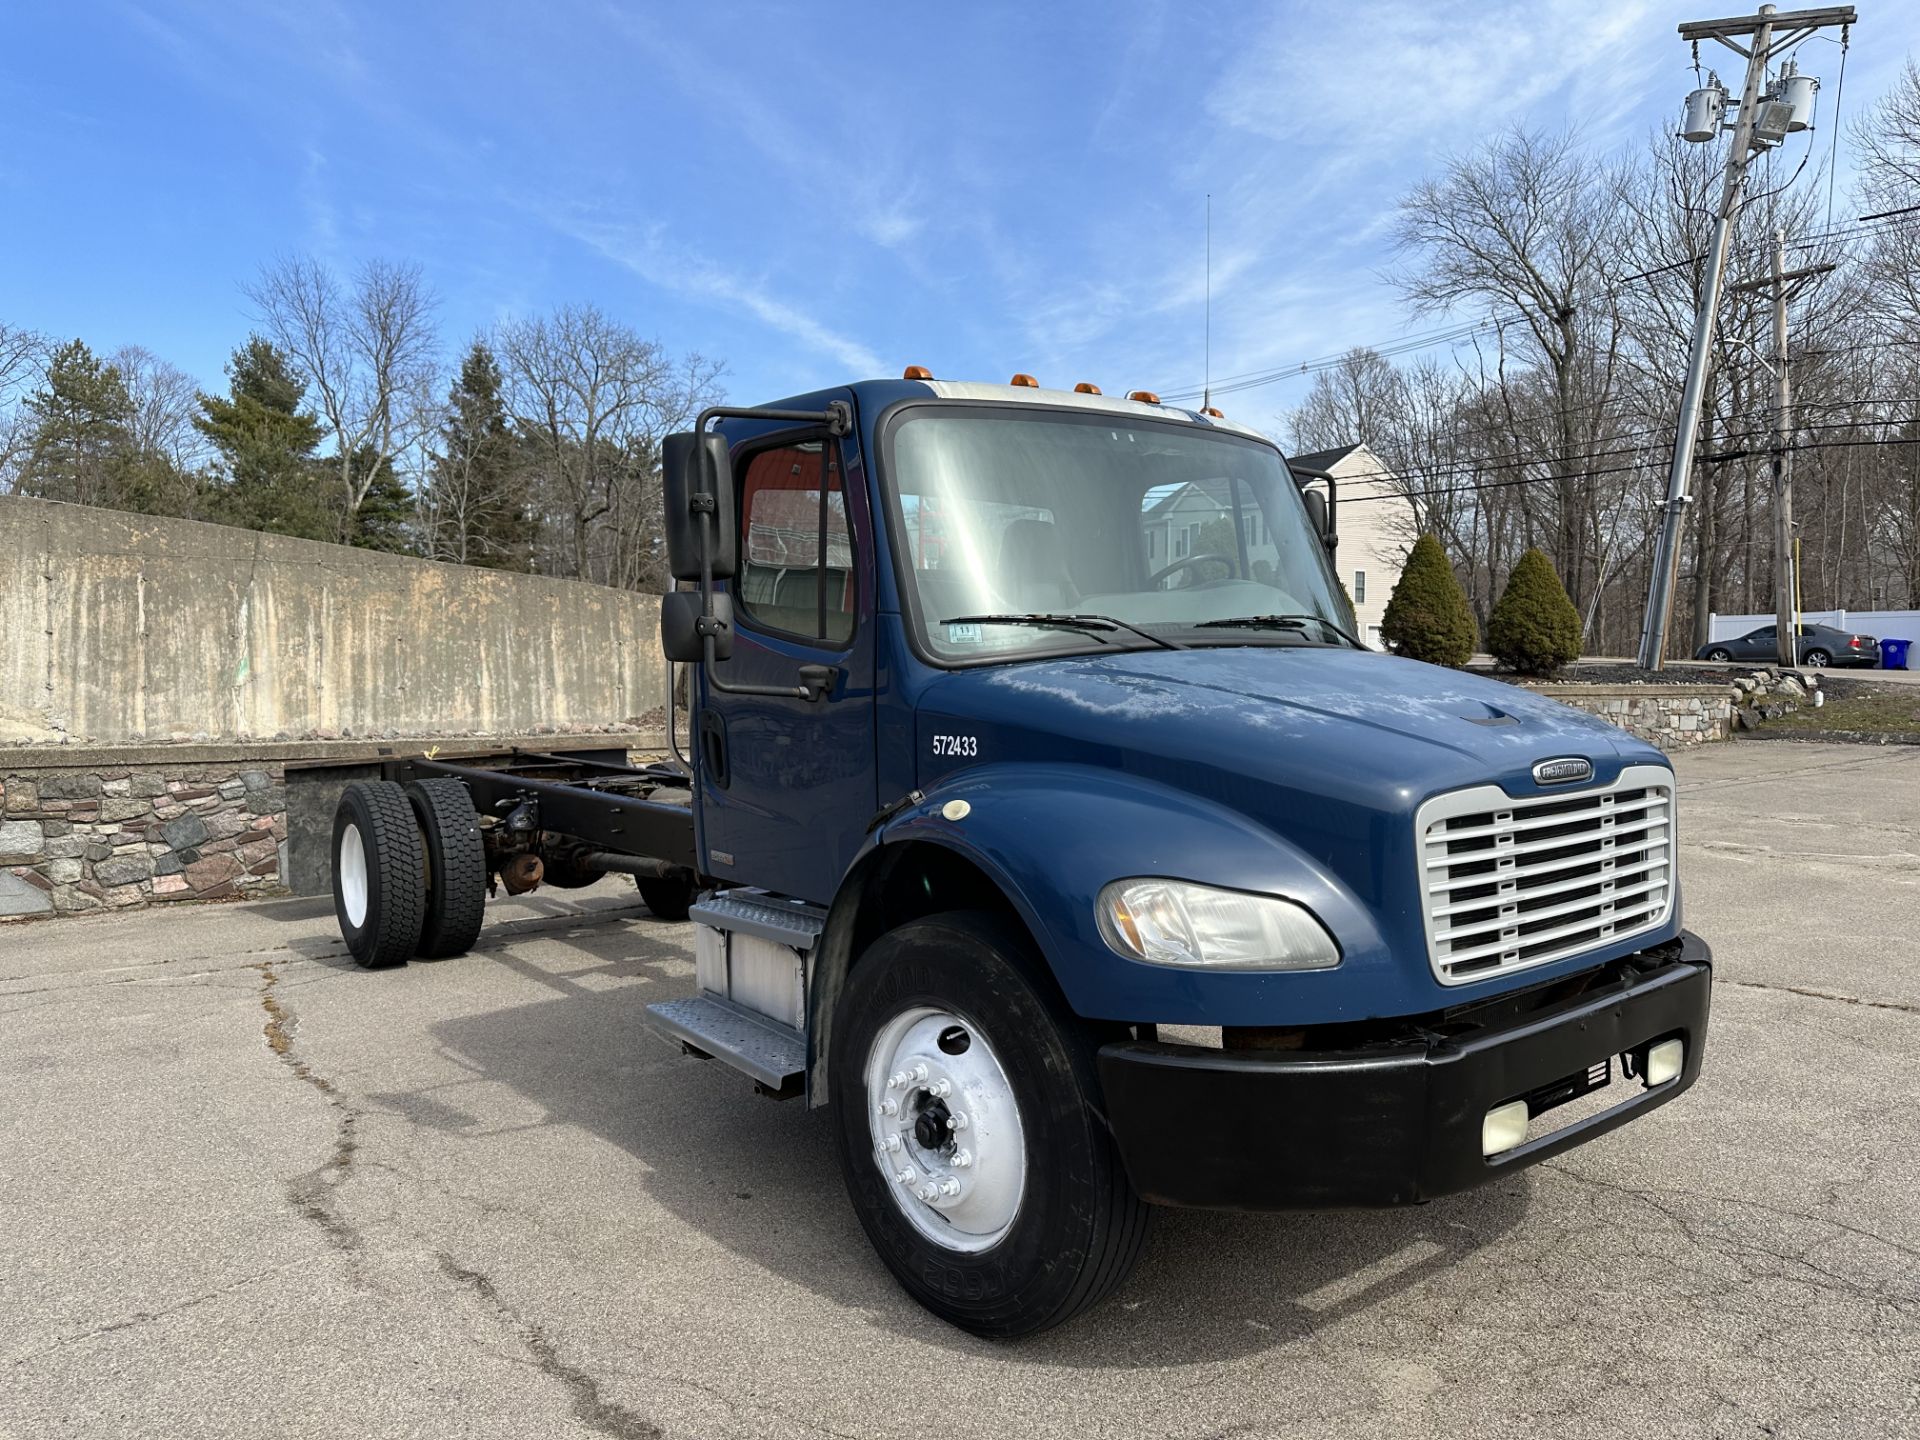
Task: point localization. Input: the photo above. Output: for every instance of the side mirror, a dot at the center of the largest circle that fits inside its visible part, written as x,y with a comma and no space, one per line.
1319,517
683,627
696,477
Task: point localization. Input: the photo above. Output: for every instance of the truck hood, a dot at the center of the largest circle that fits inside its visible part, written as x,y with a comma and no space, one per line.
1333,749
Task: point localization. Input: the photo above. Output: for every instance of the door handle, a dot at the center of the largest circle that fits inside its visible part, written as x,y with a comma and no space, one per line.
817,680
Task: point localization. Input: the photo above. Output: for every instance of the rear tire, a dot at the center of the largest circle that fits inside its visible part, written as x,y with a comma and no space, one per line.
1040,1221
667,898
456,878
379,885
1719,655
1817,660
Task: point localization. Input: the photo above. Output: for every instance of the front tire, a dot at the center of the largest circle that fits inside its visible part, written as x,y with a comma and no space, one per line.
991,1189
379,889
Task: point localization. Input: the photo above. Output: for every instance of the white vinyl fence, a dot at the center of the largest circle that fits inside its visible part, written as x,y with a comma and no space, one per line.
1881,624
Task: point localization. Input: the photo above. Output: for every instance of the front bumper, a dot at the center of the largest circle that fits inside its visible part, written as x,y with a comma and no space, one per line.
1395,1121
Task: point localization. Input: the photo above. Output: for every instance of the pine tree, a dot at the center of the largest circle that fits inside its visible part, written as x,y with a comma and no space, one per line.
81,445
476,495
269,480
1534,628
385,518
1427,615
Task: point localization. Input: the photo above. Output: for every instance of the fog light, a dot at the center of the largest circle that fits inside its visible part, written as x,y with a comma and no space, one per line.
1504,1127
1664,1061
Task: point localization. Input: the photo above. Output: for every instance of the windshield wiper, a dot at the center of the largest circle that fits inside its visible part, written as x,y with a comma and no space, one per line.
1277,622
1087,624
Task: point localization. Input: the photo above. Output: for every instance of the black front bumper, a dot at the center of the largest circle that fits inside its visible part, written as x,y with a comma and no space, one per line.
1399,1120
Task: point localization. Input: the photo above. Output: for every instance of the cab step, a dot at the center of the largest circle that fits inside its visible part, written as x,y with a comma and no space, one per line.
773,1055
762,915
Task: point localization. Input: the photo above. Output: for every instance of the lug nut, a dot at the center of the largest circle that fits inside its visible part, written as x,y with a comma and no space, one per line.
942,1088
919,1072
893,1143
958,1120
929,1193
950,1188
962,1159
904,1176
889,1107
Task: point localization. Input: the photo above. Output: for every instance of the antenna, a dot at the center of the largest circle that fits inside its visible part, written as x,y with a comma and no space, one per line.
1206,387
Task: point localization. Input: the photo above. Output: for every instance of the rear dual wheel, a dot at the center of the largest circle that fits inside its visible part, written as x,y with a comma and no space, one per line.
409,871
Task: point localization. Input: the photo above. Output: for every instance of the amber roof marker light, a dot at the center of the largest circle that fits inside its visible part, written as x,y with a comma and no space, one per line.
1145,397
1086,387
916,372
1216,414
1025,379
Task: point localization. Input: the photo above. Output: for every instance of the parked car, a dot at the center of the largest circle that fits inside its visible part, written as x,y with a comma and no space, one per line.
1819,646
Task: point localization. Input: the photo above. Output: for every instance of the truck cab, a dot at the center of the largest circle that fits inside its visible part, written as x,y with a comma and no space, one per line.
1081,859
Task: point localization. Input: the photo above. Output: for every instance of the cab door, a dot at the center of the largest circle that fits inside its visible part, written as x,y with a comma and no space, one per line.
787,785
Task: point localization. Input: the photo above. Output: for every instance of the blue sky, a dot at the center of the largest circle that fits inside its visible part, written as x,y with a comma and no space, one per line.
810,193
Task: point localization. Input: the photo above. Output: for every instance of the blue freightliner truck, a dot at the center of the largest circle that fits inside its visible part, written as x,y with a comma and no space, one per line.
1041,815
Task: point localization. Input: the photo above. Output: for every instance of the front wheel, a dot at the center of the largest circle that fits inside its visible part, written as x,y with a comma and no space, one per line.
968,1117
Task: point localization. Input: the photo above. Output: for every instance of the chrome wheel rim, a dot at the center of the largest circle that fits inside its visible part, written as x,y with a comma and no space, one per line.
946,1129
350,874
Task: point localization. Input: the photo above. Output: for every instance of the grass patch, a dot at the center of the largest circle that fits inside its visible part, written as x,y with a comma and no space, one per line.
1876,711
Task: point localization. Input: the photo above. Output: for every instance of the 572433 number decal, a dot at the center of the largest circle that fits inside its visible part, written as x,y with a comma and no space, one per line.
966,745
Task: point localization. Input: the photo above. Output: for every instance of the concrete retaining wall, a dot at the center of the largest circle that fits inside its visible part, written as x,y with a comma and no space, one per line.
124,628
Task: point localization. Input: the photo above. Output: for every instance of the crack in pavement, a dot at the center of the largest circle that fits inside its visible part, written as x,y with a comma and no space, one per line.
590,1405
147,1317
1807,992
315,1194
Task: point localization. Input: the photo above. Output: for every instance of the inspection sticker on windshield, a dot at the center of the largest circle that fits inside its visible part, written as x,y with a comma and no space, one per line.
963,634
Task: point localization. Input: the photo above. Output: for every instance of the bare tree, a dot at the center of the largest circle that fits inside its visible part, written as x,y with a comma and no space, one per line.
165,400
365,354
1521,232
591,401
23,356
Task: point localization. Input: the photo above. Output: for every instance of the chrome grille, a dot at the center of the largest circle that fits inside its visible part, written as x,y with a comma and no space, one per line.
1510,884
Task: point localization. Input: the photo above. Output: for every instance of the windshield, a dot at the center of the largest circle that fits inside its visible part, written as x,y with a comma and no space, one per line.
1155,528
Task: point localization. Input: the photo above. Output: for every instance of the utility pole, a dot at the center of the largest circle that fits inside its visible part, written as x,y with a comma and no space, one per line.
1763,120
1785,284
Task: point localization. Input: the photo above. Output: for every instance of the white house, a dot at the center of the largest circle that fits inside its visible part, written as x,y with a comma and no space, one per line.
1373,522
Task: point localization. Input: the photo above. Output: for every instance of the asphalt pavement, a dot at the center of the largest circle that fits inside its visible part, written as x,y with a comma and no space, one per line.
249,1190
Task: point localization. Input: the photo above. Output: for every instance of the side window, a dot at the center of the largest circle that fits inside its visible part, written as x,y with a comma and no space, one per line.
796,554
1359,587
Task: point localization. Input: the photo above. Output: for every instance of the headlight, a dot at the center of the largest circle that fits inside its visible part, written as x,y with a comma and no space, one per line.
1175,922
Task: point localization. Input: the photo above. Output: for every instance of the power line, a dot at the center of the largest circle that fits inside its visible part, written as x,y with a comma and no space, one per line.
1644,441
1465,330
1614,470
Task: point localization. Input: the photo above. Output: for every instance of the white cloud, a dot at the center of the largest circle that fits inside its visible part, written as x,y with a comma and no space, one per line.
645,252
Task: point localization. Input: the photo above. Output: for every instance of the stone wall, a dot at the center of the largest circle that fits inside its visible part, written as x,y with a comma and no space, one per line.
74,840
89,828
1670,716
122,629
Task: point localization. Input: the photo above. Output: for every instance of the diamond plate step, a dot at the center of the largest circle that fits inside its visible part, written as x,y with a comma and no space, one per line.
755,912
764,1049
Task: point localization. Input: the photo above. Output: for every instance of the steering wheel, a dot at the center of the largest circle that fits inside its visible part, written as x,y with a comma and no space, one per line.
1188,562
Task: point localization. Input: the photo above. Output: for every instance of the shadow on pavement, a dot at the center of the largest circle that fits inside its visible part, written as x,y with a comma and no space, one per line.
762,1178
